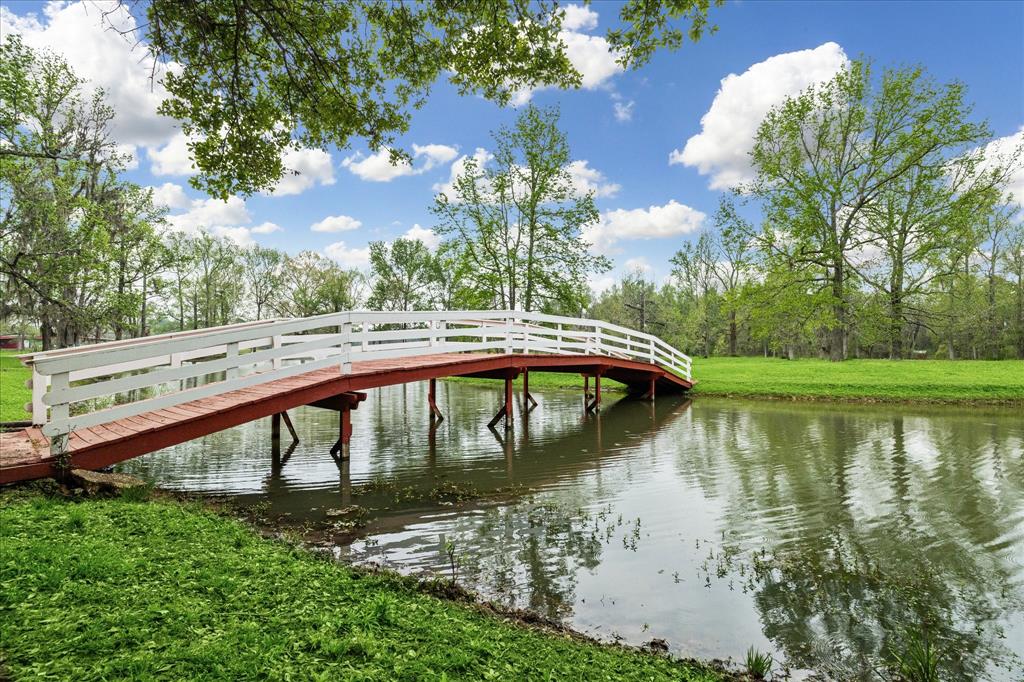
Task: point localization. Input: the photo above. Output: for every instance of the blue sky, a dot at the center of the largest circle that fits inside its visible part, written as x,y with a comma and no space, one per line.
649,205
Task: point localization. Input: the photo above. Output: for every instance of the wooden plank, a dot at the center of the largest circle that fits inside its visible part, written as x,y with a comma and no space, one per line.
89,436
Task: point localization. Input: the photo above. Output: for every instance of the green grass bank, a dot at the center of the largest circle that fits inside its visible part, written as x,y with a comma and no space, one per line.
120,589
936,381
13,392
927,381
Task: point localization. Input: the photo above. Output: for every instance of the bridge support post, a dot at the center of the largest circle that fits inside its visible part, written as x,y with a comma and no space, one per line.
527,397
275,431
649,395
340,450
593,405
506,409
435,413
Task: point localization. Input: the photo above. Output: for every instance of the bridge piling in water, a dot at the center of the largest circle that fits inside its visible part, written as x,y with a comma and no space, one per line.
527,397
594,405
435,413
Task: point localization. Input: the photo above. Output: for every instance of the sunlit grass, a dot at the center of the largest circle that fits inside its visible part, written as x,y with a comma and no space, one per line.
13,392
113,589
885,380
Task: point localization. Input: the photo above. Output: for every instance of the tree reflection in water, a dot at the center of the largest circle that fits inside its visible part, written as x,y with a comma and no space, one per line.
887,532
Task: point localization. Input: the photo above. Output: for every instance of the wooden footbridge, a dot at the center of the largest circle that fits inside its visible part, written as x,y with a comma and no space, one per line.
96,405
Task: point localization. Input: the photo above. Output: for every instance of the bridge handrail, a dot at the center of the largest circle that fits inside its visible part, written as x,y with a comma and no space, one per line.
113,367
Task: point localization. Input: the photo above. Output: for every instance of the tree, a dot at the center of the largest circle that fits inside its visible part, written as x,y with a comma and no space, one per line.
1013,257
403,273
826,156
263,275
314,285
182,264
518,221
137,255
731,262
63,211
694,267
252,78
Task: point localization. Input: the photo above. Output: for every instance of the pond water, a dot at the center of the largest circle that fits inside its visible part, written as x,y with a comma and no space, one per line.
828,535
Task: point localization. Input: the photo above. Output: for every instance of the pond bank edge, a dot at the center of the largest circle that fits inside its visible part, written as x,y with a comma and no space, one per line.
438,588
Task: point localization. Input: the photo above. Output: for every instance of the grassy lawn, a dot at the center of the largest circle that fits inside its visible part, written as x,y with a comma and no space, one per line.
116,589
13,394
883,380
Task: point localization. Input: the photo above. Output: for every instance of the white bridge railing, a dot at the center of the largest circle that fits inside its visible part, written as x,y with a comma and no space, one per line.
80,387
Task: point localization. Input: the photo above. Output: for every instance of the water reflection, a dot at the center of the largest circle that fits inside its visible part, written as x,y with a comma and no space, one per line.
823,533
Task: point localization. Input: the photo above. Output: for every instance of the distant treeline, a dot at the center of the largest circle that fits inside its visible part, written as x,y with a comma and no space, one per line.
879,223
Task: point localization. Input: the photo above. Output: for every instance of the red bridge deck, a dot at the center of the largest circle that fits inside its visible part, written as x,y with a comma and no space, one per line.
25,455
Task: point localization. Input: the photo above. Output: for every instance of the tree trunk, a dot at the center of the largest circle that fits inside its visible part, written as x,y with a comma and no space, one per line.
837,334
732,333
142,313
895,326
46,332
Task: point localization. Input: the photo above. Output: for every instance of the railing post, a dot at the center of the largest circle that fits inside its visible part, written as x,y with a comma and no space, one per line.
346,347
38,391
60,412
364,328
652,352
232,352
597,339
275,342
432,333
442,326
558,339
508,335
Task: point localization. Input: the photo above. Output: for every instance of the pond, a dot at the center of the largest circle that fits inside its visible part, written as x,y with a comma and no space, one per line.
828,535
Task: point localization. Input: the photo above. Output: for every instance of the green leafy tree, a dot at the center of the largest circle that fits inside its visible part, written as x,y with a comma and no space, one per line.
314,285
827,156
67,224
403,274
252,78
695,267
263,276
517,222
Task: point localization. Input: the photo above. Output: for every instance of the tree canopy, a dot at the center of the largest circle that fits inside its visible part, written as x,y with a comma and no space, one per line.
249,79
518,221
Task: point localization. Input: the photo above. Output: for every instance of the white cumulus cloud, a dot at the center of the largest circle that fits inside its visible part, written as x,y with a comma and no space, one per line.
377,167
266,228
586,179
623,110
638,264
348,257
429,238
480,155
82,32
207,214
336,223
729,127
670,220
592,56
1001,151
227,219
579,17
171,196
172,158
304,168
